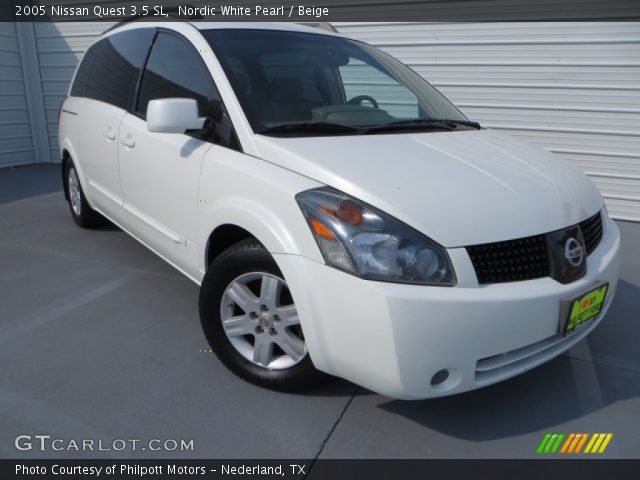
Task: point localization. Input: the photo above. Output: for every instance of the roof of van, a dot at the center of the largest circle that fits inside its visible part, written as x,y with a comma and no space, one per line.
282,26
286,26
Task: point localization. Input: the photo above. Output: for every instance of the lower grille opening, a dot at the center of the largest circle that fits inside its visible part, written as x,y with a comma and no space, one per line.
492,369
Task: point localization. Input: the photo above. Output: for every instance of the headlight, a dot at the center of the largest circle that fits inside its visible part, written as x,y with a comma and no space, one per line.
366,242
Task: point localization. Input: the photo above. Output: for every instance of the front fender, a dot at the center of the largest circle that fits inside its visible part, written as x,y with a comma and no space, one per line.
257,196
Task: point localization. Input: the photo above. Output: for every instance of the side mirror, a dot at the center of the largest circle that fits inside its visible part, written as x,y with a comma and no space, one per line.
173,115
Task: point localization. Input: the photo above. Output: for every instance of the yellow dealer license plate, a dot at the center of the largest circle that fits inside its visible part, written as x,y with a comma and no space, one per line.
584,308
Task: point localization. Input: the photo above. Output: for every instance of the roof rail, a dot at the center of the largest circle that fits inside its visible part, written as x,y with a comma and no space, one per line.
327,26
171,11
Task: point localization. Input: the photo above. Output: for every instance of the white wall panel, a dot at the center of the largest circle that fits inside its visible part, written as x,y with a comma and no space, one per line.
16,147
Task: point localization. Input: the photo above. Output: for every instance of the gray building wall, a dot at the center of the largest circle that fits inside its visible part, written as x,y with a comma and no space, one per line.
16,145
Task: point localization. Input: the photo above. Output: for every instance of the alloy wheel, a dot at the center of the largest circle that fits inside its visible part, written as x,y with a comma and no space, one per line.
261,321
74,192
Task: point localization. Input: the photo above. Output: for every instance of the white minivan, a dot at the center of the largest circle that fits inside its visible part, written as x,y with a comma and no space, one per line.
339,214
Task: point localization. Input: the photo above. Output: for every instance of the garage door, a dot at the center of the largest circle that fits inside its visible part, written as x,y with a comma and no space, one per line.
572,88
15,132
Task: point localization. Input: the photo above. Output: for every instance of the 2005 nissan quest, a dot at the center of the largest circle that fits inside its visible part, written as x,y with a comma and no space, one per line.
339,213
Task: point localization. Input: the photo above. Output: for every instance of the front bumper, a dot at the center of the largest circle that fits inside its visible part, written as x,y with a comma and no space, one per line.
392,338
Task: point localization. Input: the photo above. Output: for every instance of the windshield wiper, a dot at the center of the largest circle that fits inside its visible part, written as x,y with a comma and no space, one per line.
422,123
337,129
310,127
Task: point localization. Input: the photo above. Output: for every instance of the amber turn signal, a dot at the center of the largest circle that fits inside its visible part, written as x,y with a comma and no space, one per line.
321,229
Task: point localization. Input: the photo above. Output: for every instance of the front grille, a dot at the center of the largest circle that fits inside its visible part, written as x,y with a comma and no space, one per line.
511,261
592,232
525,258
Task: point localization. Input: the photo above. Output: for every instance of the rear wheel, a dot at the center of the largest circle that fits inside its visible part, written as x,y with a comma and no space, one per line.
251,321
82,213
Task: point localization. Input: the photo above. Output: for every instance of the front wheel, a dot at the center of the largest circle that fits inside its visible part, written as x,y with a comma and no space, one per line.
251,321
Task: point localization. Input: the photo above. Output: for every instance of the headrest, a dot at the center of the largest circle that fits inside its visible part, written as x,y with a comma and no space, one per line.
287,88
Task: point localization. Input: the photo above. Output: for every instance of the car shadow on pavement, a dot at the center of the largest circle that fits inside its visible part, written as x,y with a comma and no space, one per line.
332,387
596,373
107,226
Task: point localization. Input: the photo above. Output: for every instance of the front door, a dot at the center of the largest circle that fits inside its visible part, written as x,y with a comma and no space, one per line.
160,171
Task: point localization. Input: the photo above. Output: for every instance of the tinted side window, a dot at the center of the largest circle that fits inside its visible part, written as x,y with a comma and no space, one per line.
83,76
175,69
115,64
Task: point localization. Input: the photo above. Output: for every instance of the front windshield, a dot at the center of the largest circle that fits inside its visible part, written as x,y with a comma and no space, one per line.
283,78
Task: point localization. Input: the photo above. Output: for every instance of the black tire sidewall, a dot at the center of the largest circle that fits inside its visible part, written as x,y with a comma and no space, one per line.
88,217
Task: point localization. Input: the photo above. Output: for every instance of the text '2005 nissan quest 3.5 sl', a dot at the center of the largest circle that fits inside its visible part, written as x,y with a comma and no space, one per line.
339,214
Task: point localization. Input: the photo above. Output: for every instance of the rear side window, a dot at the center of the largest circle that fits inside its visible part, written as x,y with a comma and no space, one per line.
83,76
110,68
175,69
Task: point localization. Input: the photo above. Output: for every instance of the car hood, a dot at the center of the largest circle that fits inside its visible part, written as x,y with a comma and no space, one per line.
459,188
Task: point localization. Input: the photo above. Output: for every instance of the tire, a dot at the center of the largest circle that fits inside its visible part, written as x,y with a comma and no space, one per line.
250,320
81,211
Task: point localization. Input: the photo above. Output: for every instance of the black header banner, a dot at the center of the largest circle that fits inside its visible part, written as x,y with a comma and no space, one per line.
321,10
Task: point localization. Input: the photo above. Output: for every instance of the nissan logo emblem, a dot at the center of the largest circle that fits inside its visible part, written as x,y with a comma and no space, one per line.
573,252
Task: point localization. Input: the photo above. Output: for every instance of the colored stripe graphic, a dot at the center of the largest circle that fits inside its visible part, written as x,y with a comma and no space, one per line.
591,442
544,443
596,445
556,445
605,443
568,442
598,442
573,443
581,443
551,442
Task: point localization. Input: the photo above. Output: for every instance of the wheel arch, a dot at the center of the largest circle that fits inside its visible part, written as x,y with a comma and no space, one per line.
234,219
223,237
67,154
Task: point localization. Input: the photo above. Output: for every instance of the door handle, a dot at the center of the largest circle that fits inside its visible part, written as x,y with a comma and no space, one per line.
110,134
128,141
